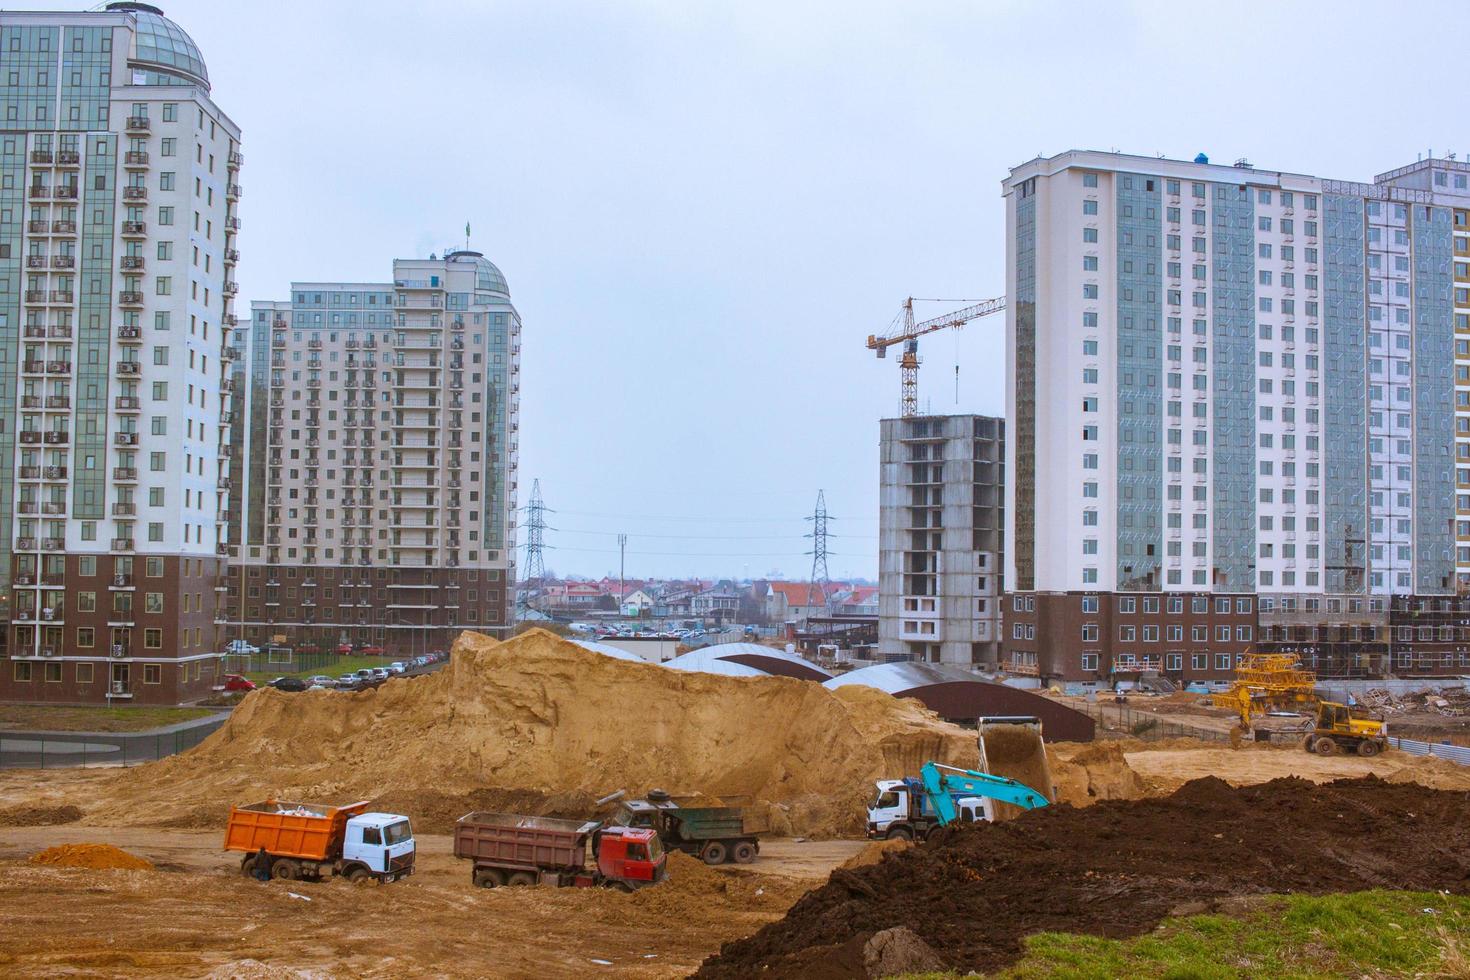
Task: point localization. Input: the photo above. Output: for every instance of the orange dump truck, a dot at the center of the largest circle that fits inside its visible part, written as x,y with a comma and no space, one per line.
308,841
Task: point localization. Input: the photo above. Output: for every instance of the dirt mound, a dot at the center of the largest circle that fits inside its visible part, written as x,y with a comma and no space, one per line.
541,724
1116,869
39,816
874,852
693,884
1093,771
97,857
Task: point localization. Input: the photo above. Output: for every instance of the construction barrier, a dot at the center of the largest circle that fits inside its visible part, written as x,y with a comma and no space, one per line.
1439,750
22,750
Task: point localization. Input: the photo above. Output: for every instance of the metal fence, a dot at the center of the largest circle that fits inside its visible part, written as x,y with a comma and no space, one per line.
1439,750
21,750
1122,720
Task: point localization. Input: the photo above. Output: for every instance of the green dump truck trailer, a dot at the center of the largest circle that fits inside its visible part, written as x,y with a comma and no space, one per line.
713,829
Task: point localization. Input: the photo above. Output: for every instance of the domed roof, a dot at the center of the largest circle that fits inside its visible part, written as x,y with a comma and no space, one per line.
617,653
161,43
701,661
487,277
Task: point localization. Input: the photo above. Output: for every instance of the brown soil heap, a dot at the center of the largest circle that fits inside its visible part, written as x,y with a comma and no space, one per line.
1116,869
541,725
97,857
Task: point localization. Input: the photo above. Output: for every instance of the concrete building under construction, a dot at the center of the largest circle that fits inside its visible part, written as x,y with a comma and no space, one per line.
942,491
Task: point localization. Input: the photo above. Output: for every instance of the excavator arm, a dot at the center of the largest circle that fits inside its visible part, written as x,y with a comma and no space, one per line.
943,783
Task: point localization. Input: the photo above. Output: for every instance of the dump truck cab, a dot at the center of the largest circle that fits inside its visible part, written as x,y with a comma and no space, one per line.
381,842
901,809
630,854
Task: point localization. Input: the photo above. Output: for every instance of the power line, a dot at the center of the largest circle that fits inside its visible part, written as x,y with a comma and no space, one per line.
820,580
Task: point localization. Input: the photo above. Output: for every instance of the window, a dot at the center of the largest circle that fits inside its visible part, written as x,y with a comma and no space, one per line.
153,639
153,603
1089,207
153,673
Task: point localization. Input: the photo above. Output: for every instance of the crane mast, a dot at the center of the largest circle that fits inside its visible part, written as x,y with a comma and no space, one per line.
905,331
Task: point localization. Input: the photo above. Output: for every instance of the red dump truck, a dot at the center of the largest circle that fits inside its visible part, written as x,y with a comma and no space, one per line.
512,849
308,841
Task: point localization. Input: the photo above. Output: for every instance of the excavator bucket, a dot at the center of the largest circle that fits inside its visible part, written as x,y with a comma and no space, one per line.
1012,746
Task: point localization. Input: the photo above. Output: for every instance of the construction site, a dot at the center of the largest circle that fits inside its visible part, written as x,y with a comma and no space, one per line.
1108,837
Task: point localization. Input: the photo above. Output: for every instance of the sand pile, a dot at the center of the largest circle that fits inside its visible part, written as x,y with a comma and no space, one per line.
538,724
1116,869
97,857
874,852
1087,772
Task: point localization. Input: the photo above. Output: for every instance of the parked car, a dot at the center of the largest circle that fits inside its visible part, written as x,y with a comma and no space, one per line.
381,673
292,684
236,682
240,646
364,673
321,679
397,667
373,651
348,681
344,648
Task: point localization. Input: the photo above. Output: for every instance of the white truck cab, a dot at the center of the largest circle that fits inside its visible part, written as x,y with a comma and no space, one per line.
900,809
381,842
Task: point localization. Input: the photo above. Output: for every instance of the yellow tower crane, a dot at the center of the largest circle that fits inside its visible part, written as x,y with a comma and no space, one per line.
905,331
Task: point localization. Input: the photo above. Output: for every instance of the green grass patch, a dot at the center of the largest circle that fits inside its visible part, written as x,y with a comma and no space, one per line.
1373,933
45,718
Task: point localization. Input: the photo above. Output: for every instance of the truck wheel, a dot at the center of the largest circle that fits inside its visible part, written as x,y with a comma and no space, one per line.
247,866
359,875
520,878
1307,744
743,852
900,833
1325,746
1367,748
489,878
714,852
284,870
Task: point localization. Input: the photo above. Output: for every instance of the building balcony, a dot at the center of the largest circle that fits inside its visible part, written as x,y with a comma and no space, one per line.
61,296
229,319
136,194
131,229
138,124
35,261
135,158
27,507
223,550
38,226
69,158
232,224
125,438
25,544
127,403
59,331
132,262
125,474
231,287
233,192
64,192
124,510
58,401
130,297
63,227
225,483
41,156
236,160
232,256
129,334
128,368
30,472
33,367
58,367
56,438
63,261
53,544
121,582
54,473
35,296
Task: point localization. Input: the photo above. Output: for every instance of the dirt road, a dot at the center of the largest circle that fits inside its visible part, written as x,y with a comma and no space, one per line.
195,915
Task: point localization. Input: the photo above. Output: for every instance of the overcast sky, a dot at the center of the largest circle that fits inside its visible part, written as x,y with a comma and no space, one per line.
703,209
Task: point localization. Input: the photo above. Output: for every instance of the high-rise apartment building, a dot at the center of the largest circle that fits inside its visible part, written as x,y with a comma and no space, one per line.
939,525
118,224
1239,415
378,469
